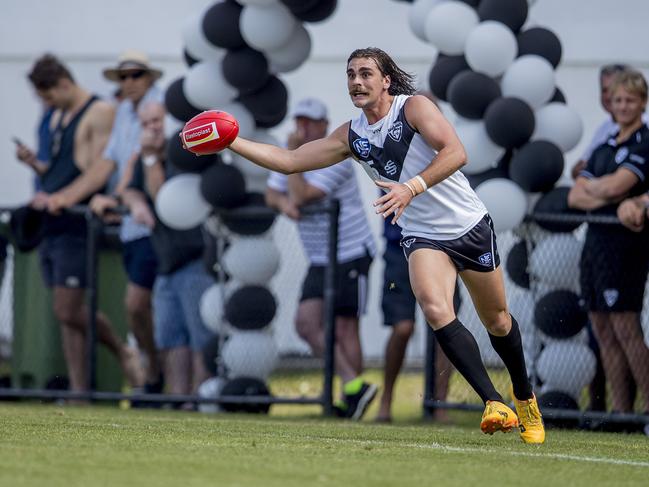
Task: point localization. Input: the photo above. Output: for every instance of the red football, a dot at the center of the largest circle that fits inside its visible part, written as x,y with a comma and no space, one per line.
210,132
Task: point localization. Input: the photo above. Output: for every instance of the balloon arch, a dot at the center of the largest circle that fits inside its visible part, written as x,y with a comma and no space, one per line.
496,73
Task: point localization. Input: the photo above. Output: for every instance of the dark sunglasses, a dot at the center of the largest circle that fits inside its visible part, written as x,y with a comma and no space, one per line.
131,74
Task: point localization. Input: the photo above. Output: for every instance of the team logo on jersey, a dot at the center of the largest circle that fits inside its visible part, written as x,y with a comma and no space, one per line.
391,168
621,154
395,131
485,259
362,147
407,243
610,296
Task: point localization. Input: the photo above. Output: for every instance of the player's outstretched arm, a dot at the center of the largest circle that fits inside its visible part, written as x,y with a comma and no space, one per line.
312,155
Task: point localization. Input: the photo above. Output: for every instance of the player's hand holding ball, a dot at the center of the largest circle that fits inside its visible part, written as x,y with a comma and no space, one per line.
209,132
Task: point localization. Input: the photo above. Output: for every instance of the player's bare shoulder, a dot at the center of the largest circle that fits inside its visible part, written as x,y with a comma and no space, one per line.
341,136
100,116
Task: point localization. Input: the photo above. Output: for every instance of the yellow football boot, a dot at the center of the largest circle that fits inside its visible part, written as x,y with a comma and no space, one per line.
498,417
531,421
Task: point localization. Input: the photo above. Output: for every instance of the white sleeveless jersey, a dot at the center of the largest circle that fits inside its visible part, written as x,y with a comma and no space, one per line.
392,150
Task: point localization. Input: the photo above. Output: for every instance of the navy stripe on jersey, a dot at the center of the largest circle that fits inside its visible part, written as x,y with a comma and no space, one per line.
387,161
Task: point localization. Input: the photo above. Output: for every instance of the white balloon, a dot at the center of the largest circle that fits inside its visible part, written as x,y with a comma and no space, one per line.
250,354
250,170
505,201
291,55
196,43
205,87
417,16
210,389
211,307
555,261
481,152
266,27
179,203
243,116
252,260
490,48
530,78
448,25
567,366
559,124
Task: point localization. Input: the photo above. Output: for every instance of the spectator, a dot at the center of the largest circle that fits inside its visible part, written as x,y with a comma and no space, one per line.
79,130
399,305
136,78
608,127
614,262
179,331
355,251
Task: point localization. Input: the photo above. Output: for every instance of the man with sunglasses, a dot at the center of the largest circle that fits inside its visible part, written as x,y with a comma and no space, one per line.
136,79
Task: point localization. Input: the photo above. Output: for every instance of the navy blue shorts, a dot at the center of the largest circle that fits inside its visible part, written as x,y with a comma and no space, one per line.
63,260
140,262
397,302
351,286
475,250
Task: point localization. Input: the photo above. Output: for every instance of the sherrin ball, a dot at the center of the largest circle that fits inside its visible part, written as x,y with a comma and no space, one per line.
209,132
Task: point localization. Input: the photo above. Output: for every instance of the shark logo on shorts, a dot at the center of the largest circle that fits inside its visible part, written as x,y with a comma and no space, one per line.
362,146
486,259
610,296
620,155
407,243
395,131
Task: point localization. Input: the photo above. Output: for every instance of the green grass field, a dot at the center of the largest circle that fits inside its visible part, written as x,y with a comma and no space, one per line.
47,445
97,446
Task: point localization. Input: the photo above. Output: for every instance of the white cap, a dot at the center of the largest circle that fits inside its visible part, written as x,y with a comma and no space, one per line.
310,108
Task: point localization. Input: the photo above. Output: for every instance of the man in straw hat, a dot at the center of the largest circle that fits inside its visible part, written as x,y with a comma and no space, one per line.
136,78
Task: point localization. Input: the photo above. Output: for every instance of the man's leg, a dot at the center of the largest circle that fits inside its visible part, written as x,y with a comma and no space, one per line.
138,312
348,338
628,331
395,351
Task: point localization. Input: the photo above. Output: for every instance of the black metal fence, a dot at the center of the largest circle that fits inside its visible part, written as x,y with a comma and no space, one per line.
220,229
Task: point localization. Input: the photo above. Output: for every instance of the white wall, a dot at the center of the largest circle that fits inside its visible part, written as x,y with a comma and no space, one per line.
88,35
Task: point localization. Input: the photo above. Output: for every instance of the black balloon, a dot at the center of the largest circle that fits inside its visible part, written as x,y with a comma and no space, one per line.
223,186
300,6
512,13
542,42
537,166
176,103
556,202
443,71
269,105
510,122
516,264
221,25
317,13
245,386
185,160
559,314
250,308
558,96
470,93
246,69
253,218
473,3
189,60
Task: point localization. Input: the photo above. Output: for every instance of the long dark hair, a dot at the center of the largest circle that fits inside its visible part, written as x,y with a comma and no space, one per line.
401,83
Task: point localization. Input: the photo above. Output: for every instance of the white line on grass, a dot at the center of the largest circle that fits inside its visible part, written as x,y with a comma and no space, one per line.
459,449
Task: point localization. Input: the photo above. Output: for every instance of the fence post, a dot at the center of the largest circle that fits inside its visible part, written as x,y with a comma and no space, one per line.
92,225
329,311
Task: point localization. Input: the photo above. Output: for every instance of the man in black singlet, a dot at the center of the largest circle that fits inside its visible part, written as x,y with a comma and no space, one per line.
79,129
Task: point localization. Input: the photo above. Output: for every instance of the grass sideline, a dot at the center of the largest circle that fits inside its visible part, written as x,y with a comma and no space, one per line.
101,445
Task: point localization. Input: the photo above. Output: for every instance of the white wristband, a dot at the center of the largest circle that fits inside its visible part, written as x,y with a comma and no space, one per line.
422,182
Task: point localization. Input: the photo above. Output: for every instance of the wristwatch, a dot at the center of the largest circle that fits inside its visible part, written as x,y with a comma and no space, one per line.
149,160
